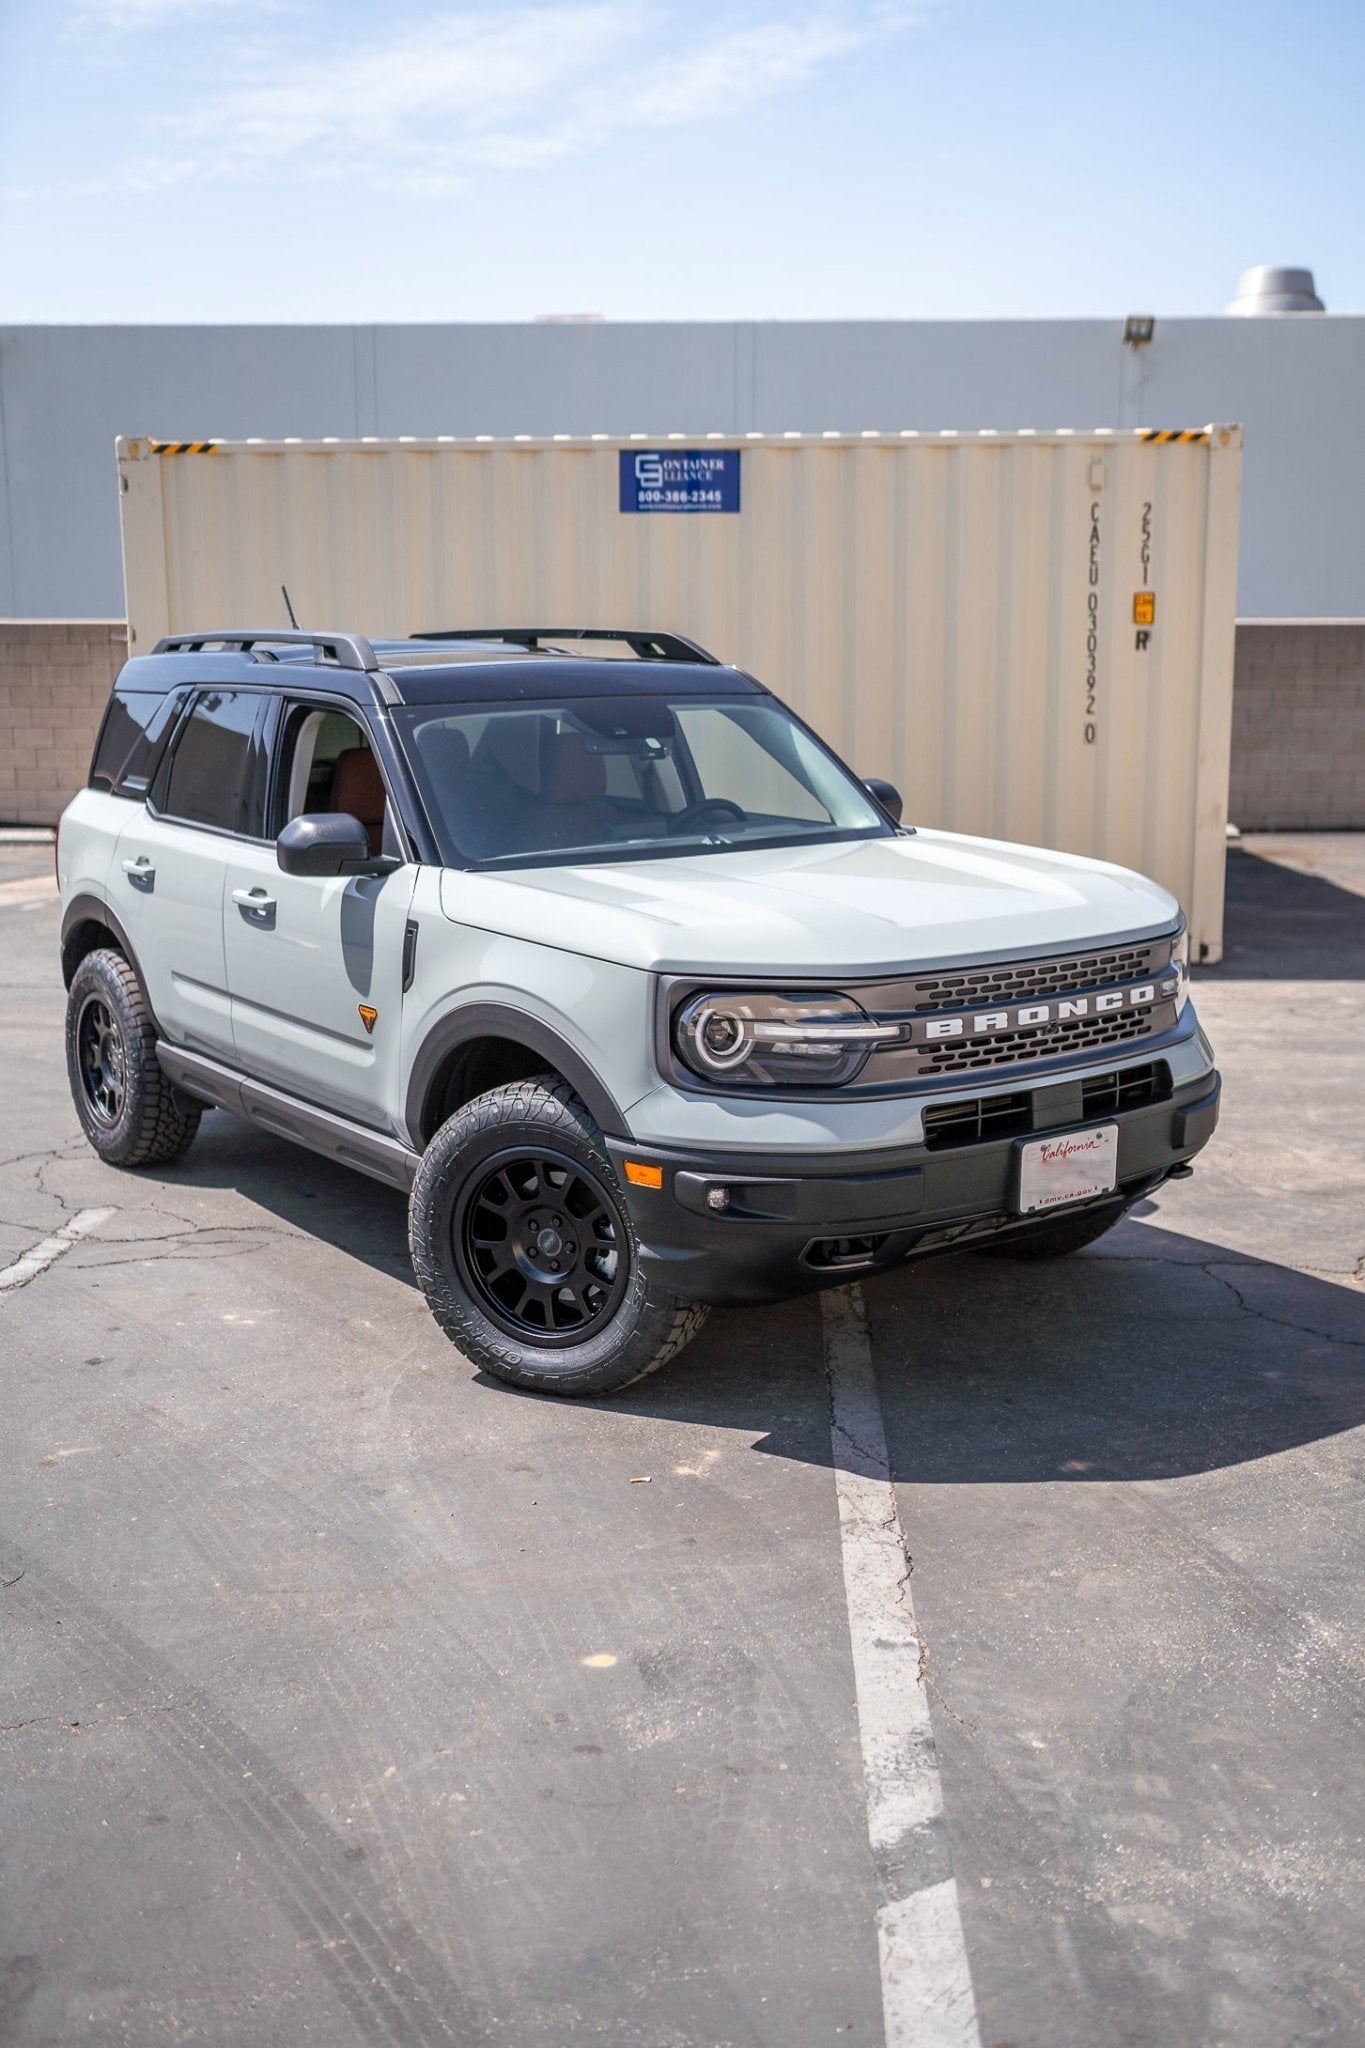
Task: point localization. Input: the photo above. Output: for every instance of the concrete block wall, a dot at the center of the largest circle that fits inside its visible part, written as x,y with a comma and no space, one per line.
1298,719
1298,725
55,676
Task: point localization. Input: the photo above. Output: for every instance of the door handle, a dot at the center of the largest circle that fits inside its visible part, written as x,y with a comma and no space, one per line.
140,870
254,899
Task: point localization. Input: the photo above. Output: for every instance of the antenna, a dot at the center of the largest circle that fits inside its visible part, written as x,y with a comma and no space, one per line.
284,593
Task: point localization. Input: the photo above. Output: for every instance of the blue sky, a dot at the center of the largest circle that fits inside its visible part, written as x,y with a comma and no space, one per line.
293,160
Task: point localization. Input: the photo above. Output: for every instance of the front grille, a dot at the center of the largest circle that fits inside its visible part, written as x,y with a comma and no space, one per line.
936,1012
1028,979
1038,1042
949,1124
1129,1088
967,1123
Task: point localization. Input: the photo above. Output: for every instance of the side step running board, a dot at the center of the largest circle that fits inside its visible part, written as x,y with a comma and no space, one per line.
336,1137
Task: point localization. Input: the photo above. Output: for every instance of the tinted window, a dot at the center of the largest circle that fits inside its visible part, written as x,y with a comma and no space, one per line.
211,773
618,777
135,724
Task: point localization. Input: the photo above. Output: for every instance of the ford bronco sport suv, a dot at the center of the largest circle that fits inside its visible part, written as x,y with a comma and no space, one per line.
643,995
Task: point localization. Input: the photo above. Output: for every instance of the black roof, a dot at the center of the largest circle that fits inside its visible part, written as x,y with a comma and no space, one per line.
426,671
541,676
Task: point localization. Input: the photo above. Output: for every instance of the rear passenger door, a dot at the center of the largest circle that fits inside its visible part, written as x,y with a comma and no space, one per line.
171,862
315,963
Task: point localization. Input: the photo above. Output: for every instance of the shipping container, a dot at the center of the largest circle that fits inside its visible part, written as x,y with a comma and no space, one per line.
1031,634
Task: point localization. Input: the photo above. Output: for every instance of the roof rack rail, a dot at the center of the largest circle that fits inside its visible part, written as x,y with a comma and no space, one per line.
345,650
645,646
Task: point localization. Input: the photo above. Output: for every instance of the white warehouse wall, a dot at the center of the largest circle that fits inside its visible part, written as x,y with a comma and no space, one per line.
1295,384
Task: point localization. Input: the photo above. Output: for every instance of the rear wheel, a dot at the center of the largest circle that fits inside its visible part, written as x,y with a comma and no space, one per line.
1057,1240
525,1253
129,1111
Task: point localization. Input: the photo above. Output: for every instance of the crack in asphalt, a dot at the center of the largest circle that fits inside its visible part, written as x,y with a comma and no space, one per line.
178,1233
1217,1269
1279,1322
95,1720
221,1240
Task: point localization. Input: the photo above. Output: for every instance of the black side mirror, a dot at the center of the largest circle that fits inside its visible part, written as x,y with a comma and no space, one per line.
329,843
886,794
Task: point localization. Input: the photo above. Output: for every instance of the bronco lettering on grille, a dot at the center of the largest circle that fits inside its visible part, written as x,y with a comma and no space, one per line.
986,1023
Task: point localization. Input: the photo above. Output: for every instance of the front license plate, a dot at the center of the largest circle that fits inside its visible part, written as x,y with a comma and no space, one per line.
1070,1167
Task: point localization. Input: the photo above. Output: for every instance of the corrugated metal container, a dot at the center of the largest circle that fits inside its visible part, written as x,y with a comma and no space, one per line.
1031,633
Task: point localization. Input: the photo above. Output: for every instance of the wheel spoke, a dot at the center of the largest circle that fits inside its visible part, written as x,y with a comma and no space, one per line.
513,1238
524,1180
100,1060
566,1309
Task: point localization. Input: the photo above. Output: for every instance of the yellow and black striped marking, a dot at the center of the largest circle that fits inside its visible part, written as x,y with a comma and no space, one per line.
183,447
1175,434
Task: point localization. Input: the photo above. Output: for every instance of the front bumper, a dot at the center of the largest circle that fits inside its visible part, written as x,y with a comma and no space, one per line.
795,1223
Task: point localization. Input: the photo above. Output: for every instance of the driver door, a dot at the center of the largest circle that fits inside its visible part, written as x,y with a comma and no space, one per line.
315,963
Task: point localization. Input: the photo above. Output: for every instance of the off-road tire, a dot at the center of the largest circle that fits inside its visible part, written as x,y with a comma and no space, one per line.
145,1121
1057,1240
648,1325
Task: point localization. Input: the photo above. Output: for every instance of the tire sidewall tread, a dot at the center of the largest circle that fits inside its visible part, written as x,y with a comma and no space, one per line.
649,1327
157,1122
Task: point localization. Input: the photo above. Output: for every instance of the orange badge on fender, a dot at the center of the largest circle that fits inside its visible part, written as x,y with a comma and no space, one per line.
367,1018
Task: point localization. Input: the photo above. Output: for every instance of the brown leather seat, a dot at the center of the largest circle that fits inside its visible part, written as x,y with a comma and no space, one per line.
358,788
577,809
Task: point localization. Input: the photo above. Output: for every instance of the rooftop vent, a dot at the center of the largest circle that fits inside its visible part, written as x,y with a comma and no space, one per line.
1268,289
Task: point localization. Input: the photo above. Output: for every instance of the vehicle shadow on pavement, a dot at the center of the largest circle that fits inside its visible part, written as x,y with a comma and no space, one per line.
1148,1356
1284,925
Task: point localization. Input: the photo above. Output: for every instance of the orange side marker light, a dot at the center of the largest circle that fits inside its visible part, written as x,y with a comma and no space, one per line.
641,1176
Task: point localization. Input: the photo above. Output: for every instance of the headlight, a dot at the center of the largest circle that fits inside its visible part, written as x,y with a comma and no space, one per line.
1180,967
776,1040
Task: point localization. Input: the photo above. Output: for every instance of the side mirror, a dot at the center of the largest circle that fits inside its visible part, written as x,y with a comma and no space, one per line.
886,794
329,843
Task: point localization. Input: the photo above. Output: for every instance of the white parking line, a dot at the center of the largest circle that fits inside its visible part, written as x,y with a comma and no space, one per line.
926,1986
42,1255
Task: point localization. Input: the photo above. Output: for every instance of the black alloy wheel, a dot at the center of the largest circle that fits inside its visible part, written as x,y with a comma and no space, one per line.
541,1243
130,1112
526,1252
101,1060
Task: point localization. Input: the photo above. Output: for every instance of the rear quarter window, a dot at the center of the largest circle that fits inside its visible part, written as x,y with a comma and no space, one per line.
136,723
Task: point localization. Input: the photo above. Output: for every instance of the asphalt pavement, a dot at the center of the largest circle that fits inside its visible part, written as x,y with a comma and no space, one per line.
349,1697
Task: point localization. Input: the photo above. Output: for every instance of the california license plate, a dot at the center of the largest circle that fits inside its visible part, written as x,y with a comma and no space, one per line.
1070,1167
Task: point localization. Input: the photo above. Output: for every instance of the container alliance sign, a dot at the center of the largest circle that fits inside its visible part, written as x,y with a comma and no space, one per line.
679,479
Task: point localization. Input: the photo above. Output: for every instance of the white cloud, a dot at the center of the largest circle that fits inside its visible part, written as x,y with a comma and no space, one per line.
143,14
506,88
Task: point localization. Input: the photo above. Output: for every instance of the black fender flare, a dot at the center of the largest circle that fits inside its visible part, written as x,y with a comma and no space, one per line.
502,1020
94,910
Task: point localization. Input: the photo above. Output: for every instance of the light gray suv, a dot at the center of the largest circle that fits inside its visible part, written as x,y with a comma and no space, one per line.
605,957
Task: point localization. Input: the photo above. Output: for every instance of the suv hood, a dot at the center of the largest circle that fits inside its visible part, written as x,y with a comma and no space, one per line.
847,908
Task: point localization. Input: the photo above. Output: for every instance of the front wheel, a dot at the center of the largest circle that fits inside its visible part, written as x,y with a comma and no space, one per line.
525,1253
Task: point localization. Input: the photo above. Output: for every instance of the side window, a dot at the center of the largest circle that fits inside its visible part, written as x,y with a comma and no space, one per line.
326,763
213,766
313,743
130,739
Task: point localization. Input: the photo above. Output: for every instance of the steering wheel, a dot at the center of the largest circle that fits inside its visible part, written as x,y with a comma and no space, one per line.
713,804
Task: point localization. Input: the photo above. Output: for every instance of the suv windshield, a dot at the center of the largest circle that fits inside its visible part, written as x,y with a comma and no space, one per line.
617,778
